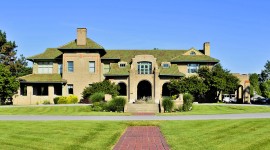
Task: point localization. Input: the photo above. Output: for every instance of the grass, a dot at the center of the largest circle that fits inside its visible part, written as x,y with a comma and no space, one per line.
97,135
55,110
222,109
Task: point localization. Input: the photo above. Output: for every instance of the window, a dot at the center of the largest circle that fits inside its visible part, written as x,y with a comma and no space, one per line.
70,88
40,89
192,53
106,68
70,66
165,65
144,68
45,67
193,68
92,66
60,68
122,65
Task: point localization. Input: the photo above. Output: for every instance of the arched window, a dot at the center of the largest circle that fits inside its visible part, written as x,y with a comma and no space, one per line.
144,67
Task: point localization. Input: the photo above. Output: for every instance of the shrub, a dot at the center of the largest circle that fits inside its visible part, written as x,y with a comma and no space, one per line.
97,97
72,99
99,106
105,86
55,100
45,102
62,100
167,104
117,104
188,100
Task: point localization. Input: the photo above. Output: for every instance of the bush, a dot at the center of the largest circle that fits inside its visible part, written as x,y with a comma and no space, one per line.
188,100
99,106
117,104
55,100
62,100
45,102
105,86
72,99
97,97
167,104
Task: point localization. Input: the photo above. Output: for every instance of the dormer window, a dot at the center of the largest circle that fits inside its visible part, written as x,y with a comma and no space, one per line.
192,53
122,65
165,65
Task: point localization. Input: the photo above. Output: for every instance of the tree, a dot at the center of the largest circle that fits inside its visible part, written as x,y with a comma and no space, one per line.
217,80
193,85
265,74
105,86
17,66
8,84
265,89
254,84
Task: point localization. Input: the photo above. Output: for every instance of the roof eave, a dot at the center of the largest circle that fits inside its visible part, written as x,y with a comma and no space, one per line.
115,75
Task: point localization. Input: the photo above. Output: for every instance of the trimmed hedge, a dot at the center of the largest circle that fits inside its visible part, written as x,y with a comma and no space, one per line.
71,99
167,104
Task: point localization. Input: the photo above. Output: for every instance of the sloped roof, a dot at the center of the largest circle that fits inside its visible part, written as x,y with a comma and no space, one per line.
42,78
194,58
127,55
90,44
171,71
50,53
117,71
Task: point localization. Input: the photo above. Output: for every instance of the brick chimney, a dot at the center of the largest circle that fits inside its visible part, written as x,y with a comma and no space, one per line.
206,48
81,36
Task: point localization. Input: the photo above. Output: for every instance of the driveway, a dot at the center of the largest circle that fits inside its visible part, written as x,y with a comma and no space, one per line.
134,118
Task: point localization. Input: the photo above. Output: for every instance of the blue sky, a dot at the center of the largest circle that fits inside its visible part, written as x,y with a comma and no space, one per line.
238,30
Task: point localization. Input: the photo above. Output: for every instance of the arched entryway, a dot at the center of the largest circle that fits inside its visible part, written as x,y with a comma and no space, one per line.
165,90
144,90
123,89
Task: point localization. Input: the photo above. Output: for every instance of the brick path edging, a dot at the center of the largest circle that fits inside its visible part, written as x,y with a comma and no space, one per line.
142,138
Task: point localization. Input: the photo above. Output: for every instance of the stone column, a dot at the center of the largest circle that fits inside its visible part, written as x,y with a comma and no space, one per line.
51,93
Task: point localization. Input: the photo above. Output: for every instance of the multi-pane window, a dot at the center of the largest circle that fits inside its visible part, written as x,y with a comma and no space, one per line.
70,88
122,65
106,68
92,66
70,66
193,68
144,67
45,67
192,53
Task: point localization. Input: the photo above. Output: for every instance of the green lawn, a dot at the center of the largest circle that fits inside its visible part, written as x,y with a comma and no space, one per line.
222,109
55,110
101,135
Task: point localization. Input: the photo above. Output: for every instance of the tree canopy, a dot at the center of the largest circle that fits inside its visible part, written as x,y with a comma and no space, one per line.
208,84
8,84
17,66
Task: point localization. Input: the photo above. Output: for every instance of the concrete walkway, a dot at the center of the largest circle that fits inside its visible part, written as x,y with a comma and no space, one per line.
142,138
120,118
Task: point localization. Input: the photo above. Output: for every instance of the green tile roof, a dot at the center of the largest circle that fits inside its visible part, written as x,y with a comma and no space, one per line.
117,71
50,53
171,71
90,44
42,78
127,55
194,58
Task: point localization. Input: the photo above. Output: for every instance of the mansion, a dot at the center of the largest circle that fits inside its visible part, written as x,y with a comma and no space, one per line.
70,68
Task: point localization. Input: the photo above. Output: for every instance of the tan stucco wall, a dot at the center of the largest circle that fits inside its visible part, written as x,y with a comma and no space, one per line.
81,77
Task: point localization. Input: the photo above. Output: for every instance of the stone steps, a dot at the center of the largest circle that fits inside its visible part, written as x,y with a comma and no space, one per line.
142,108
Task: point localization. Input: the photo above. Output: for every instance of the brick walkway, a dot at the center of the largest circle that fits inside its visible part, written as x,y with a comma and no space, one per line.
143,114
142,138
